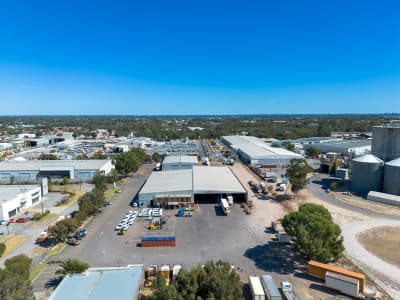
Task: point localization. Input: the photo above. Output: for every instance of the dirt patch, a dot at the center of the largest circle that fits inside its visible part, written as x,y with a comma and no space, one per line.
13,242
340,216
383,242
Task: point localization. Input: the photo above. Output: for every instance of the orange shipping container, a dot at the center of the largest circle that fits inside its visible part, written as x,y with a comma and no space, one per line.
319,270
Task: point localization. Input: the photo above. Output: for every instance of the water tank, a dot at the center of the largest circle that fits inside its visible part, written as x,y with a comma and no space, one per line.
366,174
386,142
391,184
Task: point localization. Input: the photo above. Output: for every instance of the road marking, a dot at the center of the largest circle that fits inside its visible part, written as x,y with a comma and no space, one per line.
101,233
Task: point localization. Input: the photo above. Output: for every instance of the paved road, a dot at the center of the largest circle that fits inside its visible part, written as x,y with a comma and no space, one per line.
101,229
317,186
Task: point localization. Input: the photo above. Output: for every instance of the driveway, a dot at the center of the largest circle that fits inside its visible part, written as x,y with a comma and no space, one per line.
373,264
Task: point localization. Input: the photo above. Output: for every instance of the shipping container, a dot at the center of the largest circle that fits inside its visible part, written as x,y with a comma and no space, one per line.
344,284
256,289
319,270
270,288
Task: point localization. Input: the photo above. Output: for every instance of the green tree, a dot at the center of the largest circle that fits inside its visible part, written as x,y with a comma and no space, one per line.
215,280
63,228
99,181
45,156
128,162
65,181
14,287
288,145
20,265
297,173
163,292
314,233
70,266
156,157
313,151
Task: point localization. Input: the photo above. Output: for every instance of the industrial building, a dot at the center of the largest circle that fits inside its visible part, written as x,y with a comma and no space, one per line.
367,174
30,171
102,283
345,147
256,152
15,197
196,185
179,162
386,142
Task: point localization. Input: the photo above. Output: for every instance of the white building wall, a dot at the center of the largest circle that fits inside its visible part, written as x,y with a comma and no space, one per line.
21,200
107,168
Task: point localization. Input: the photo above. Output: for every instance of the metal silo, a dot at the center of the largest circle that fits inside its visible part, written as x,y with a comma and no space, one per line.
366,174
386,142
391,184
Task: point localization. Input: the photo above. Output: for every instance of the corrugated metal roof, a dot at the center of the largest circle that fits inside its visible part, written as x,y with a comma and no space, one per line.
168,181
35,165
199,179
256,148
215,179
180,159
368,158
394,162
101,283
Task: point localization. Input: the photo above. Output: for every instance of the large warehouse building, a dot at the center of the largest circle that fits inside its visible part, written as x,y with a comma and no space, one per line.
196,185
254,151
355,147
32,170
179,162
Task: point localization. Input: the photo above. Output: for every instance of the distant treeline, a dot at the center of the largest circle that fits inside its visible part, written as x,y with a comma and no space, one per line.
173,127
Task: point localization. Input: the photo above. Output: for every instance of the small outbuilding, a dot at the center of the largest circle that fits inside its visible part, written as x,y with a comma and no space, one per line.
179,162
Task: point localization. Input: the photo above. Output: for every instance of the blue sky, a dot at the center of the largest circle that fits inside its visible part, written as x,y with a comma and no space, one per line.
199,57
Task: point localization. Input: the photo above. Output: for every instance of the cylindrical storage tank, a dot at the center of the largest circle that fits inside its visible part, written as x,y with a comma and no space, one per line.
391,183
366,174
386,142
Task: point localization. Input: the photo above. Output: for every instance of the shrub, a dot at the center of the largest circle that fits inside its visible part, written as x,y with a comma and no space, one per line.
2,249
39,216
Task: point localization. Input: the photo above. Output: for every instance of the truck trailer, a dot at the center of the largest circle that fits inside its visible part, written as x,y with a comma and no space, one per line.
256,289
344,284
270,288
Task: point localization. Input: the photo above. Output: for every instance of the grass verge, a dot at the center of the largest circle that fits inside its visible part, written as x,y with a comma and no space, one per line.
57,249
36,270
110,193
45,220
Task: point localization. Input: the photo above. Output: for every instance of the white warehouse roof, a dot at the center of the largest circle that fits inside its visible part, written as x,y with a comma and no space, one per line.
33,165
8,192
198,180
215,179
180,159
168,181
256,148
